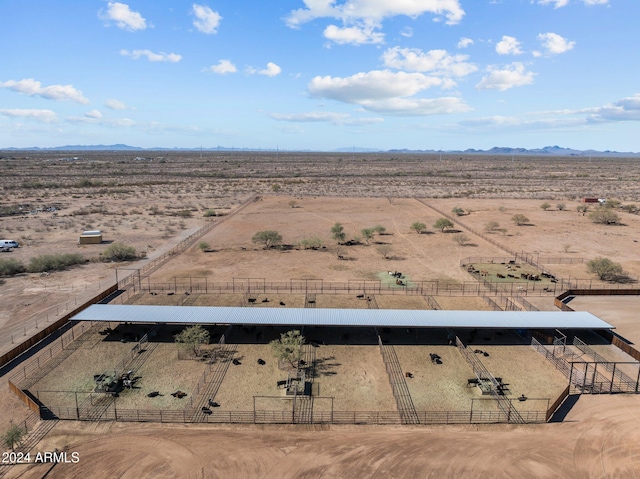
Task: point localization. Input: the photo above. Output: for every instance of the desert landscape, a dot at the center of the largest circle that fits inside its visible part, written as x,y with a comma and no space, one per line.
219,202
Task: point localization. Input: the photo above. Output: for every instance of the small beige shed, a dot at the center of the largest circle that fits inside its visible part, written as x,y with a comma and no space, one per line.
90,237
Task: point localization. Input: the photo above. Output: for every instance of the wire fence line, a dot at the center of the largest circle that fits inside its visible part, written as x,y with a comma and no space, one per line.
472,416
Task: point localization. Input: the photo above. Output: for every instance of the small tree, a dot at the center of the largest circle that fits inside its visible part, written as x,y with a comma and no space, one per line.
379,229
418,227
442,224
545,206
13,436
604,216
337,233
520,219
385,250
194,337
367,234
119,252
458,211
606,269
491,227
287,348
268,238
204,246
461,239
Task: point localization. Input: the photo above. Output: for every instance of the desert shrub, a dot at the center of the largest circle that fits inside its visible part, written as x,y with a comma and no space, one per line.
545,206
385,250
204,246
13,436
458,211
630,208
209,213
606,269
311,243
379,229
119,252
184,214
520,219
604,216
11,267
461,239
491,227
54,262
561,206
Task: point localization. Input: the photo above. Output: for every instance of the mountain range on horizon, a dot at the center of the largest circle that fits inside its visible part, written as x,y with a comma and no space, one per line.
546,151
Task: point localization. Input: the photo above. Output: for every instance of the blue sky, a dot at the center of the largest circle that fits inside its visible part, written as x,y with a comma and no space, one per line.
321,74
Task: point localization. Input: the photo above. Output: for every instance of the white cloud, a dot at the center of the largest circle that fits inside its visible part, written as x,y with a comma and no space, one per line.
93,114
115,105
123,17
407,32
325,117
536,122
353,35
508,46
387,92
511,76
626,109
31,87
439,62
374,10
564,3
45,116
465,42
223,67
373,85
555,3
417,107
151,56
206,21
272,70
554,43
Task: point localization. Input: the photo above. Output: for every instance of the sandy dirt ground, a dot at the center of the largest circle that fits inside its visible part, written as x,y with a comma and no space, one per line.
600,438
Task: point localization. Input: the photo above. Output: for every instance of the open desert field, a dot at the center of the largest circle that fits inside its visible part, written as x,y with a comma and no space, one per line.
49,199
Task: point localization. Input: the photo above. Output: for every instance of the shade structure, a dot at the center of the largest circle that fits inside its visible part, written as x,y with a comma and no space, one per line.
145,314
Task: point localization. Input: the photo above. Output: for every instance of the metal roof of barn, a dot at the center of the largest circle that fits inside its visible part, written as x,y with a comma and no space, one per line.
341,317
